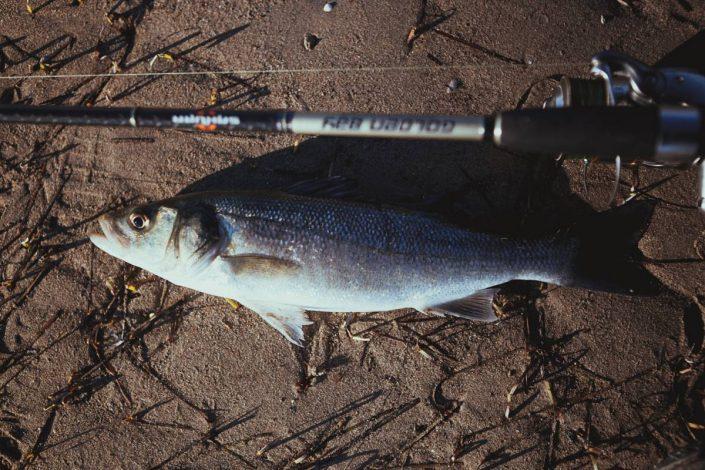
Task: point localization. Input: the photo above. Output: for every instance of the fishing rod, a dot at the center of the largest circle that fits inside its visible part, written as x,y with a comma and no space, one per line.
667,135
627,112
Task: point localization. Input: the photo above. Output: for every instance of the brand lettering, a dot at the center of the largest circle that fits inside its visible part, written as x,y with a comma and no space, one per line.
430,125
198,120
342,123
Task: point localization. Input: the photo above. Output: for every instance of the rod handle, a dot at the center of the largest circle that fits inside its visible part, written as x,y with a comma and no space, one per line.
581,132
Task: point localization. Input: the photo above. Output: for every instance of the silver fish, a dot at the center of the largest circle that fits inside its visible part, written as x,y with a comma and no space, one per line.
281,255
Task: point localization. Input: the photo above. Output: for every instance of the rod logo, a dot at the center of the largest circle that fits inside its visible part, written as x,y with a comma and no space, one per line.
205,123
401,125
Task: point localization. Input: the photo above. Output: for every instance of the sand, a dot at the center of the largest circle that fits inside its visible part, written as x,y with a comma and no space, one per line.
96,375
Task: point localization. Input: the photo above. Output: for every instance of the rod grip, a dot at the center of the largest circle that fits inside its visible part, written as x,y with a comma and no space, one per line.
585,131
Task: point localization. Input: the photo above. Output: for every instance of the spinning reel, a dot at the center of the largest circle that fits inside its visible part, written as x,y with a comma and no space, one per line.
620,80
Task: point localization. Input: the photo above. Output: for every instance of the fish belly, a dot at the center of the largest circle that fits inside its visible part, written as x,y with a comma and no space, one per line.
352,282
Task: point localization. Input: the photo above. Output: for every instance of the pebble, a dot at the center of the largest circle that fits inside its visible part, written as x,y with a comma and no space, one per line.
328,7
311,41
453,85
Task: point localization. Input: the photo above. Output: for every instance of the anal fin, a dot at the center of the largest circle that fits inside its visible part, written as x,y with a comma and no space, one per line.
477,306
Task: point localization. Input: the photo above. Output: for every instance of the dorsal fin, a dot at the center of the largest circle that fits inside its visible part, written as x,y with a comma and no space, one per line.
334,187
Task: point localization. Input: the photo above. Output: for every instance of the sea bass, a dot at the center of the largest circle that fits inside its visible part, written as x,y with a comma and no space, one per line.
282,254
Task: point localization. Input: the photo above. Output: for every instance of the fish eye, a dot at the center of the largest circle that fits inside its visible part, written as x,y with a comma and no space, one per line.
139,221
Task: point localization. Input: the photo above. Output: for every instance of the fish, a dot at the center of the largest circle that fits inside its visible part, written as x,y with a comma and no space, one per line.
282,254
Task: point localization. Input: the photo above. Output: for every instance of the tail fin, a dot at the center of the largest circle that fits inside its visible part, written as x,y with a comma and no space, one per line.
608,258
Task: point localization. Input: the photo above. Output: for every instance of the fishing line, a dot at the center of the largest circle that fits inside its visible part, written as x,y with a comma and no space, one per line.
401,68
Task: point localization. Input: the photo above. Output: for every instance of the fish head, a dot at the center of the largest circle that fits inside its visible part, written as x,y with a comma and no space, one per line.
160,236
138,235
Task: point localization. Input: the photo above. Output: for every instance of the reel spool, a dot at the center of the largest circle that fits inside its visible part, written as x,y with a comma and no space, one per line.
577,92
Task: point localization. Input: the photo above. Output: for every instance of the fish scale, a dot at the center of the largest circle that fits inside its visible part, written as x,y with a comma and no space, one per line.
346,247
379,228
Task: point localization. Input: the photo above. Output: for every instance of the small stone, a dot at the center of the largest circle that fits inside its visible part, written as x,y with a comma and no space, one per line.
419,428
311,41
453,85
328,7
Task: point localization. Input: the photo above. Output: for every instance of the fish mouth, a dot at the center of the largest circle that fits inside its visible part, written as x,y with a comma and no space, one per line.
97,235
100,235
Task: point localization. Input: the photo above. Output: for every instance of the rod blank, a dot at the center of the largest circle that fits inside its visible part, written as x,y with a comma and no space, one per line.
665,135
333,124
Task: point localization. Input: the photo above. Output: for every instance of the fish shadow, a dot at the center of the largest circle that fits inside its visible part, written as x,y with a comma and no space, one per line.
471,184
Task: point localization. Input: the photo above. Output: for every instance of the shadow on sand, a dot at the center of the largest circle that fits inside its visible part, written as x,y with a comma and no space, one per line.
473,185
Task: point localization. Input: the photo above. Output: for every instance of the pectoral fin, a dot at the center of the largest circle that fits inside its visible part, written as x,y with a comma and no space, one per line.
288,320
253,263
477,306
